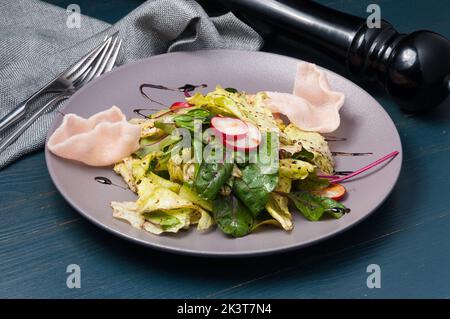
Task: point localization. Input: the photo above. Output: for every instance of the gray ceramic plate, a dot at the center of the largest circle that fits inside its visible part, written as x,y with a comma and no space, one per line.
365,124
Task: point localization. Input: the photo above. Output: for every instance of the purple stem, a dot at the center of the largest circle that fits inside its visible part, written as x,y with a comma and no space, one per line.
365,168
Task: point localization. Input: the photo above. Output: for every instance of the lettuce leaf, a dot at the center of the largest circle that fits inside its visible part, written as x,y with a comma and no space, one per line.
157,147
170,221
156,198
314,207
236,104
202,218
278,205
128,211
295,169
189,193
133,170
314,143
162,182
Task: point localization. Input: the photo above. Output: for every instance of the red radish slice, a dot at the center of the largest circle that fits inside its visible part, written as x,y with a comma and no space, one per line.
334,191
229,126
179,105
248,142
276,116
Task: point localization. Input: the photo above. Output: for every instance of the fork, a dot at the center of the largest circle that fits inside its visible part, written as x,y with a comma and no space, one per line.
100,61
66,80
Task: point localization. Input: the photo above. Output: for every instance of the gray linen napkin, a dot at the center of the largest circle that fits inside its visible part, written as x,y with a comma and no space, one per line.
36,44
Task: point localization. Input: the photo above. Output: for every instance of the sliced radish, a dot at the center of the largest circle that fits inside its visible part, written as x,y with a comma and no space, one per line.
179,105
248,142
276,116
229,126
334,191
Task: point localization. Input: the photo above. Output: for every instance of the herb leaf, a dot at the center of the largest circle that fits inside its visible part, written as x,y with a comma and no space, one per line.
232,217
161,145
312,183
231,90
254,188
313,207
304,155
210,178
187,120
259,179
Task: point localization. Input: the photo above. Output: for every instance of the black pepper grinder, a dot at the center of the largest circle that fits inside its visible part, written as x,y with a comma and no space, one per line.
413,68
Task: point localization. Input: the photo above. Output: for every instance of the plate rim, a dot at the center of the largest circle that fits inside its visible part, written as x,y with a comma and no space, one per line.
217,254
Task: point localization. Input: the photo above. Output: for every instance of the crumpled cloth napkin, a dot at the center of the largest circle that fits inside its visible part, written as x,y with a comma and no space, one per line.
36,44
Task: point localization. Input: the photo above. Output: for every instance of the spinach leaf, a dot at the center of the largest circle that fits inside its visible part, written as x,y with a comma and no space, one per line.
187,120
199,113
168,128
304,155
268,157
313,207
210,178
161,145
312,183
259,179
231,90
253,188
232,217
184,121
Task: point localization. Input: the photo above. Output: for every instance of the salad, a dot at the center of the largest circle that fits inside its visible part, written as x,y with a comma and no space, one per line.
225,159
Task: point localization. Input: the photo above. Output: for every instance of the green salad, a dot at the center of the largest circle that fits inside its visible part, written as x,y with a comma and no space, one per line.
224,159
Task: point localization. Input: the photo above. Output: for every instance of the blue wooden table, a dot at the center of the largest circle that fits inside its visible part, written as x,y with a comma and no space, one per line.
408,236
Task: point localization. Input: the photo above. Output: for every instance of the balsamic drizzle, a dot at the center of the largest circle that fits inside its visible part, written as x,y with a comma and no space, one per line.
343,173
191,87
141,89
350,154
335,139
106,181
339,210
139,111
185,89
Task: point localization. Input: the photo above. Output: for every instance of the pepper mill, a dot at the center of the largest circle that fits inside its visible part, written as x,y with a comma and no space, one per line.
413,68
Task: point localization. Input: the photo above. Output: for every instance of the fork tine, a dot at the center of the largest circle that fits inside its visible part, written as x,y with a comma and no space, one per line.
110,58
78,68
107,56
92,58
113,58
106,63
98,62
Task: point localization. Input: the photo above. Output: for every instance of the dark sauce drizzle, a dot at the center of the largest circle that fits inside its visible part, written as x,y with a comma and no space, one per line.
335,139
350,154
340,210
343,173
159,87
189,88
139,111
185,89
106,181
